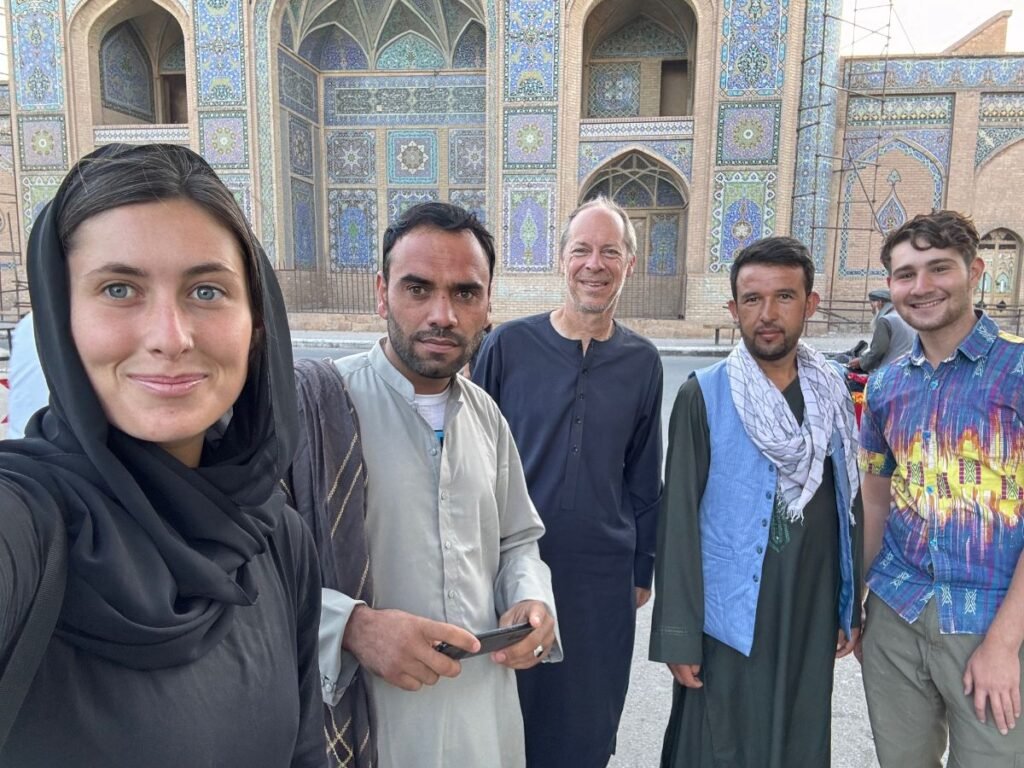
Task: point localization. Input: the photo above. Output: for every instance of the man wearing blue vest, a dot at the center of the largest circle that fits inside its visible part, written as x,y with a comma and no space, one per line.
756,579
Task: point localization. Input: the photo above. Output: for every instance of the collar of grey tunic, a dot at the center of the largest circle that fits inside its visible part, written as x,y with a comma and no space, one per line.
394,378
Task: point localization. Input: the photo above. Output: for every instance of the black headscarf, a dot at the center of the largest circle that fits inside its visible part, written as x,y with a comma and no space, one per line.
158,552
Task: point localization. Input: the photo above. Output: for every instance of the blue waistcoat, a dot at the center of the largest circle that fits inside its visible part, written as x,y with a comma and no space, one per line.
736,516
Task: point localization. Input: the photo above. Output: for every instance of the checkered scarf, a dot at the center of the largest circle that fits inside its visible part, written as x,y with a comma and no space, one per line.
798,451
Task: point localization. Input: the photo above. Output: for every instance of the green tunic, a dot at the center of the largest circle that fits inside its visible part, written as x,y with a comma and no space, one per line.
773,708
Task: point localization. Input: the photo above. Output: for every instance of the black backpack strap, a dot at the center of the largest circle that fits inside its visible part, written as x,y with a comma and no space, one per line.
35,635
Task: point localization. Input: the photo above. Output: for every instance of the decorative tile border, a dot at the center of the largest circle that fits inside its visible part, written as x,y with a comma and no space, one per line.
998,108
71,5
224,139
1001,123
929,74
748,133
528,224
43,143
743,211
140,135
899,110
531,138
408,100
266,150
636,129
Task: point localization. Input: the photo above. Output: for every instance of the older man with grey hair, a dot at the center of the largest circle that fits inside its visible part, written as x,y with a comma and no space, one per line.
582,395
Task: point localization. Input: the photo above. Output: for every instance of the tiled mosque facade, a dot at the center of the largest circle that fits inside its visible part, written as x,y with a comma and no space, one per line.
714,122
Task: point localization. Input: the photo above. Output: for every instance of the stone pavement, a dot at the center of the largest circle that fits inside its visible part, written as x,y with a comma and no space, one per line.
704,347
650,699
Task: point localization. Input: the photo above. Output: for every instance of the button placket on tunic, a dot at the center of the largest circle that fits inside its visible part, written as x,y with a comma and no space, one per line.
575,456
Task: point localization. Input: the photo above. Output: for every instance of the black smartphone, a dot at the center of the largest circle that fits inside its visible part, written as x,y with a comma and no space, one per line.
490,641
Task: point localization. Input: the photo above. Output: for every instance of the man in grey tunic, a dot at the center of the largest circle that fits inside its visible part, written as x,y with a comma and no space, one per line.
891,337
451,529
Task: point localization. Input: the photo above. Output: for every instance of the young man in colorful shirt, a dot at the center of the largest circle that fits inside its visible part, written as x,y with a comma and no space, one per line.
942,446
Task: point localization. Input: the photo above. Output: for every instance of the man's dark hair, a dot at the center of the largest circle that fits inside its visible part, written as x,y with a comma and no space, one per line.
443,216
939,229
776,252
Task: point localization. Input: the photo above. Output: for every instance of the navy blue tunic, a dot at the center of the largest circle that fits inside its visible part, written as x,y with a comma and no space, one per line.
588,429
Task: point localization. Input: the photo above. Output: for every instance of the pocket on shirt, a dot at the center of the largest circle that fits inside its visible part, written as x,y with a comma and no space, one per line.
718,560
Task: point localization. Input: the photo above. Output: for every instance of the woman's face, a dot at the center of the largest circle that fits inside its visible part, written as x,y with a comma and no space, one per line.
161,319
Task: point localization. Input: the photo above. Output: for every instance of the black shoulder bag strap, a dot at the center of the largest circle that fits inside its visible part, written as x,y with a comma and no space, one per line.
35,636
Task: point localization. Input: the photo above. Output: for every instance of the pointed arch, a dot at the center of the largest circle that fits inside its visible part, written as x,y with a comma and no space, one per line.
410,51
470,51
1002,251
655,197
679,181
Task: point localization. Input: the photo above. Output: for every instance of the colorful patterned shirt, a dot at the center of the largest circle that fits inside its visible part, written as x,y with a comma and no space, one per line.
952,440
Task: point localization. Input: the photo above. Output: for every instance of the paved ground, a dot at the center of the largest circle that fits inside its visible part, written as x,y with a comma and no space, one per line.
650,698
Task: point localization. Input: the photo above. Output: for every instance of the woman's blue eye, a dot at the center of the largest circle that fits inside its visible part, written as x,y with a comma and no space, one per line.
207,293
118,291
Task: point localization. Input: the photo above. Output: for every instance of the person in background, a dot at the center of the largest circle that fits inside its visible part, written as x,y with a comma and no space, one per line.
890,335
582,395
29,392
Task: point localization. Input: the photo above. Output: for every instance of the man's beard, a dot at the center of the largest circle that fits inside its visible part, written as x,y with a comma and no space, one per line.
424,366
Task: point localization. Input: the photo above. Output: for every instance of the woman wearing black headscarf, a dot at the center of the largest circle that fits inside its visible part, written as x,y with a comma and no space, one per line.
188,630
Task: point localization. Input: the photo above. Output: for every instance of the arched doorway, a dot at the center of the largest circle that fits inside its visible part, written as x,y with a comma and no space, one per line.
142,69
638,60
380,105
655,199
1000,284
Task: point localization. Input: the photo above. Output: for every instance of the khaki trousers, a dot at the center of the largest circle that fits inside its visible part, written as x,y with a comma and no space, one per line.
913,678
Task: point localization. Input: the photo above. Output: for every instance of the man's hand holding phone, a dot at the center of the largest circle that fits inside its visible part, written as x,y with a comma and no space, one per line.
401,648
536,646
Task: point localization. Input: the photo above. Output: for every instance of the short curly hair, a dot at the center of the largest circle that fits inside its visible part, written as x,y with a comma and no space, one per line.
939,229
